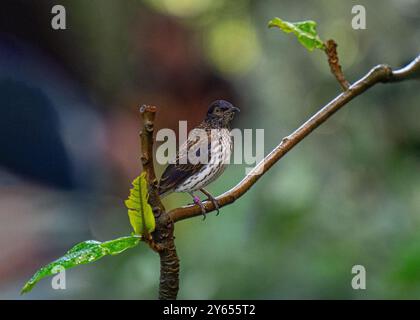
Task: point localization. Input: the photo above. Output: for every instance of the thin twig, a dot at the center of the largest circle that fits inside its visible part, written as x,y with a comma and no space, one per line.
410,71
380,73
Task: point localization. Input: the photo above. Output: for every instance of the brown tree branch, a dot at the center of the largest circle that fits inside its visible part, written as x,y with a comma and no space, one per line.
162,239
148,114
410,71
380,73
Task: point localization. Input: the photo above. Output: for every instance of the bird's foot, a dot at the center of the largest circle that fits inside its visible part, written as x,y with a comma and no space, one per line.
212,199
197,201
216,204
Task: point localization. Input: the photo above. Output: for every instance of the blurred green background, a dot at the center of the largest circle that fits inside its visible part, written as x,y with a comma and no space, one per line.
349,194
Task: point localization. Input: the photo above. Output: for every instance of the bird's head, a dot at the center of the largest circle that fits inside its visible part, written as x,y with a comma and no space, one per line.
221,113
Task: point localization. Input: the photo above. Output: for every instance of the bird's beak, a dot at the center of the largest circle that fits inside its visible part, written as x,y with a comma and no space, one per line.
236,110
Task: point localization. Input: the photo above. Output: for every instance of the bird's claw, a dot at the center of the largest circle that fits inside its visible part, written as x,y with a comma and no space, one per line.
197,201
216,205
212,199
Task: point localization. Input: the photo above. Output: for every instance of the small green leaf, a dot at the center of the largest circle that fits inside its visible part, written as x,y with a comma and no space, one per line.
140,212
305,31
82,253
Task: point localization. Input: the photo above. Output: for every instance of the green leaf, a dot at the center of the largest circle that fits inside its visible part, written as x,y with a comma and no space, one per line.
82,253
140,212
305,31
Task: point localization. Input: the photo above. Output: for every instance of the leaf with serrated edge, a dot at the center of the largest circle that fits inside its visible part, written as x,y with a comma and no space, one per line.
305,31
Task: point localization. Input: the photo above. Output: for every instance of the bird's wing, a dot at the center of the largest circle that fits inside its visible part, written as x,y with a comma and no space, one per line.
181,169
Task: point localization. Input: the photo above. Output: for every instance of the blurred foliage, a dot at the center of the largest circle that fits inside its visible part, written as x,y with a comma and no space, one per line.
232,46
349,194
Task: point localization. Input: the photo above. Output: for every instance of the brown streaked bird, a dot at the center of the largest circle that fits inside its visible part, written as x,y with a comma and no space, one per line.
203,157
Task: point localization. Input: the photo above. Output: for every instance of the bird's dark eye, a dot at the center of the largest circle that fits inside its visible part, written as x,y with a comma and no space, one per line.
217,110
